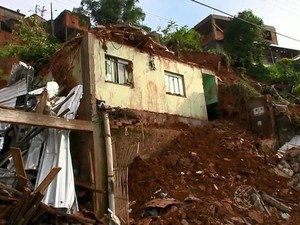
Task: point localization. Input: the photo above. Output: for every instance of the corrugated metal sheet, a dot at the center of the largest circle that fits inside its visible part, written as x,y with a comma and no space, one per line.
8,95
293,143
56,153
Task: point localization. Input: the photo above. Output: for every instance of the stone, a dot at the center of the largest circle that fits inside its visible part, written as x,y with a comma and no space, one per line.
257,216
192,199
295,167
202,187
184,222
285,216
285,164
185,162
285,191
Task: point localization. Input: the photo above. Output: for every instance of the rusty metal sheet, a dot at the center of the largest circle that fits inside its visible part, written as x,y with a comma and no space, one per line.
161,203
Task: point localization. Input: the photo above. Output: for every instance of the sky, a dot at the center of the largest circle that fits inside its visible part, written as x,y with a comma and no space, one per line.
284,15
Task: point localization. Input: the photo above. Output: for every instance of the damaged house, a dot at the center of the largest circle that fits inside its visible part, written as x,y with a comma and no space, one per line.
105,80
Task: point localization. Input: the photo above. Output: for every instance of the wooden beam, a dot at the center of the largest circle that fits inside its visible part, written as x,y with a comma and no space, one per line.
47,180
18,161
29,118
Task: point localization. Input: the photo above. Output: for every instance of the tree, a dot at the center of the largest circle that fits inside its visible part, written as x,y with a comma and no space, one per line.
181,38
31,42
110,11
244,39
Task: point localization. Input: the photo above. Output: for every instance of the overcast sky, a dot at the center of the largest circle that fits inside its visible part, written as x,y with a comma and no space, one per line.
284,15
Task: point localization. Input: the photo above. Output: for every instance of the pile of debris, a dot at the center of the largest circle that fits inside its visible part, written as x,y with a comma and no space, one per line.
289,162
213,174
44,183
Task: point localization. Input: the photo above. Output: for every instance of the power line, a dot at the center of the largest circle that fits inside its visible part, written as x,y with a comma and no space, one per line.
282,8
230,15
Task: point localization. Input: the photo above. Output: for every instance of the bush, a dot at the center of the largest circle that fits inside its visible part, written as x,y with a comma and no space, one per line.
32,42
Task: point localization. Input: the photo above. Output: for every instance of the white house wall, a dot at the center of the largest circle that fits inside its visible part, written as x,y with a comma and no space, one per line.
149,91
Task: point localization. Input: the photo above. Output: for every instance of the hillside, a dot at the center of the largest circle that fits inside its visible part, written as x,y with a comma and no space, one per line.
204,168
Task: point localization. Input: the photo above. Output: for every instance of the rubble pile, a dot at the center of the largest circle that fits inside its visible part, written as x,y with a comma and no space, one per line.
37,182
289,162
211,175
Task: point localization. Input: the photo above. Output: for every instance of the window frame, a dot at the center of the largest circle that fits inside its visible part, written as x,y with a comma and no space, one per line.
117,67
181,85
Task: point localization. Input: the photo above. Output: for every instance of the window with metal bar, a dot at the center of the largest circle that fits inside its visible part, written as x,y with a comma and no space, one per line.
174,84
117,70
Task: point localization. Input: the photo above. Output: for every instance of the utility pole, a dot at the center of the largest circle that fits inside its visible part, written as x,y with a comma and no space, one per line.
52,22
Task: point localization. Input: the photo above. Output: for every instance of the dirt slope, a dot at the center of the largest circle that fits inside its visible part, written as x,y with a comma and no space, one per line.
210,164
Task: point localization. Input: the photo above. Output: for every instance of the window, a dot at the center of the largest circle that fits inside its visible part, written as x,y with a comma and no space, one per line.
174,84
118,70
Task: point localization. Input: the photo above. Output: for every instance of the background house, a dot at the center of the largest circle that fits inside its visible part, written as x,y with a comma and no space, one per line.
212,29
8,18
68,24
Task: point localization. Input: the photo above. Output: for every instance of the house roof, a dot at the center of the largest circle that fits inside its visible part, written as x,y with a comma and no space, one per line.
39,18
10,10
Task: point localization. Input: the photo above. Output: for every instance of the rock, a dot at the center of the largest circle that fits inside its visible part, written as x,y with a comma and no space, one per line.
285,216
285,191
192,199
257,216
284,172
202,187
285,164
184,222
185,162
295,167
297,176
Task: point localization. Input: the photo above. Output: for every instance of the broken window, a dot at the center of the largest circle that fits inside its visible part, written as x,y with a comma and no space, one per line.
118,70
174,84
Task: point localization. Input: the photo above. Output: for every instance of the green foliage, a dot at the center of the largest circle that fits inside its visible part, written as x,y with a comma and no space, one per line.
246,89
243,41
285,71
1,74
296,90
32,42
183,37
287,68
110,11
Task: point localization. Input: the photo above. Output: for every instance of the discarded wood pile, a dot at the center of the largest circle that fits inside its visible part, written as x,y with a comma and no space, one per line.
22,206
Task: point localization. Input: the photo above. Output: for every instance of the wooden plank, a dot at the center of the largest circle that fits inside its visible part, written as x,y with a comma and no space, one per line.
12,190
88,187
28,216
48,179
18,161
73,217
8,115
42,103
22,184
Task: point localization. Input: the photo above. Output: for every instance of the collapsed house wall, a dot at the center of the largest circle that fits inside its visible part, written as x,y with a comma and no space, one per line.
147,89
